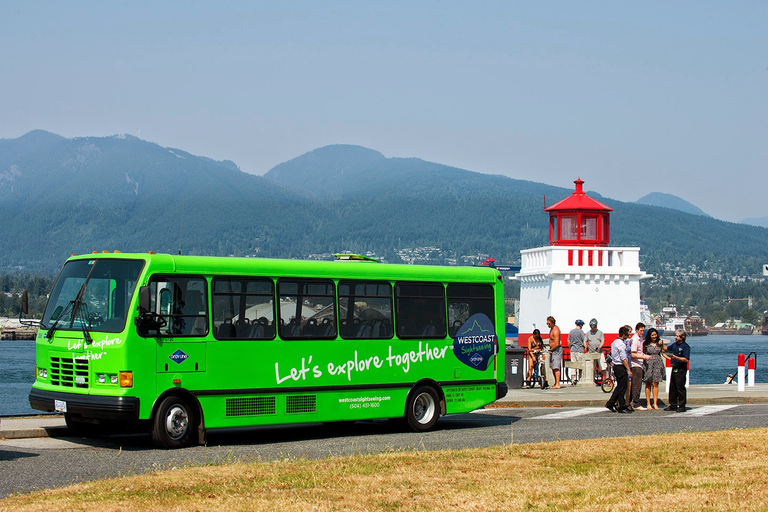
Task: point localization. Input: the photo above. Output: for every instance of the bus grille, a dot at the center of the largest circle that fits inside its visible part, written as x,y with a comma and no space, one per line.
300,403
250,406
69,372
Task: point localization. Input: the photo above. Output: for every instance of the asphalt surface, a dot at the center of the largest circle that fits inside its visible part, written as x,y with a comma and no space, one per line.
582,395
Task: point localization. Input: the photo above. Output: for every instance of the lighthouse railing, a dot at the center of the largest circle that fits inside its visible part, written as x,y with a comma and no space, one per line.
583,259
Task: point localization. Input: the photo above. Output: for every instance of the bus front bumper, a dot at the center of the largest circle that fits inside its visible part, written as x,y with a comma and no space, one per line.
89,406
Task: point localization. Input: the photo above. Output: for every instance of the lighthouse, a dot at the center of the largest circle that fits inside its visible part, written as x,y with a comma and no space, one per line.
579,276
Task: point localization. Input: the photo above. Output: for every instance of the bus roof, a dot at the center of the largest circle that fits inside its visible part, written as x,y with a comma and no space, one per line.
345,268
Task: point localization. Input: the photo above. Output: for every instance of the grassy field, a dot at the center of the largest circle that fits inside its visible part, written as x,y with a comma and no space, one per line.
725,470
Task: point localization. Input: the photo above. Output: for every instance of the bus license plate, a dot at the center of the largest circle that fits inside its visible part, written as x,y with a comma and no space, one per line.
60,405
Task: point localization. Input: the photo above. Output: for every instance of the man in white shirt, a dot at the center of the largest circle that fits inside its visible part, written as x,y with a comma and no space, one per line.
637,364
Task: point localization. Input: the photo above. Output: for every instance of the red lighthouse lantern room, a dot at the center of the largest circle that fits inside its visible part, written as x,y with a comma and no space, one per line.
579,220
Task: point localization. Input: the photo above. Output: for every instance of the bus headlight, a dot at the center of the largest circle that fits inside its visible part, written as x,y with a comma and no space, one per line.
126,379
113,379
42,373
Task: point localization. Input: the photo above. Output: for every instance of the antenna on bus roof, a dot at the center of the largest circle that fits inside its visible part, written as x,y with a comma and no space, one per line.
354,257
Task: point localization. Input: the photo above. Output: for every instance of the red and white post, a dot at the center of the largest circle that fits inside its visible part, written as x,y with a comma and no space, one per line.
751,372
740,373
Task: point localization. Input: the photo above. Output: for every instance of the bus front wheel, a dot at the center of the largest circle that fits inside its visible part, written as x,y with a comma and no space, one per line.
423,409
174,424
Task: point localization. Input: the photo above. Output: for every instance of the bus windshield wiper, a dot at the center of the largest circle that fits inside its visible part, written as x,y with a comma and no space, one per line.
55,324
82,315
78,311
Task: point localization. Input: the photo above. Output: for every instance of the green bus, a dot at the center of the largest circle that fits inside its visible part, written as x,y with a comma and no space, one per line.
183,344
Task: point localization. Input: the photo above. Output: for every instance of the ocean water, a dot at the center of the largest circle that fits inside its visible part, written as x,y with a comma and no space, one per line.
712,359
17,373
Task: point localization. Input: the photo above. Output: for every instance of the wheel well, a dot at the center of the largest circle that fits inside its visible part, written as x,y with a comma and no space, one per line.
185,395
434,385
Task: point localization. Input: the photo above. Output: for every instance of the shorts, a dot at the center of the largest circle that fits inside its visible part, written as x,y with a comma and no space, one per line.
556,358
603,364
577,356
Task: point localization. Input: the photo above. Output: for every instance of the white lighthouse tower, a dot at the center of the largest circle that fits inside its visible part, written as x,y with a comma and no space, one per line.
579,276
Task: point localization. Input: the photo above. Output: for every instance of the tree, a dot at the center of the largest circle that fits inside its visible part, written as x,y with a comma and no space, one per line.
715,317
750,316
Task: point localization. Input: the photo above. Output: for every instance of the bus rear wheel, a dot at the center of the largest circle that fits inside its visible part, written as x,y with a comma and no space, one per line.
422,409
174,424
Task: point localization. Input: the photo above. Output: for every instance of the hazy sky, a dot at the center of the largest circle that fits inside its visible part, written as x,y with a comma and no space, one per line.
634,97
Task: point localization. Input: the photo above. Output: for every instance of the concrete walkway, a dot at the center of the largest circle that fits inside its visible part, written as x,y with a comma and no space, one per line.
53,425
590,396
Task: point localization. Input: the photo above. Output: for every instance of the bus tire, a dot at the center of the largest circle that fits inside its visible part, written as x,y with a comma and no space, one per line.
174,424
422,409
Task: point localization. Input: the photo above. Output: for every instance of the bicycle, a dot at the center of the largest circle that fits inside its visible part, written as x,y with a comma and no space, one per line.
607,383
539,373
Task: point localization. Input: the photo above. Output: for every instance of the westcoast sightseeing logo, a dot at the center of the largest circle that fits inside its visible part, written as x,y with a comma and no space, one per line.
475,342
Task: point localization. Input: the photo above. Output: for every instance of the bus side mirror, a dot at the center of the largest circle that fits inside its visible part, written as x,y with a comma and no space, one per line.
145,303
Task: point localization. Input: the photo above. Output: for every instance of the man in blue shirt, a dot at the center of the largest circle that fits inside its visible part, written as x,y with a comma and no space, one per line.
679,354
621,372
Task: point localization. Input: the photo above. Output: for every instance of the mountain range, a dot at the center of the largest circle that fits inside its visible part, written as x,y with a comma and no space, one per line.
670,201
60,196
757,221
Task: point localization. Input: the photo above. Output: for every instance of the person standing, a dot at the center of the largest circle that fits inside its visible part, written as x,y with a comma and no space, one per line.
595,341
555,351
535,346
621,369
576,344
655,371
628,345
637,364
679,353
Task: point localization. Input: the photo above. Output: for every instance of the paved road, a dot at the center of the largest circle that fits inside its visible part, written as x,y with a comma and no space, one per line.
28,464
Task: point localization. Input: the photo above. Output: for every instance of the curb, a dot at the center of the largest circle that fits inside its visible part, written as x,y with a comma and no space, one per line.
25,433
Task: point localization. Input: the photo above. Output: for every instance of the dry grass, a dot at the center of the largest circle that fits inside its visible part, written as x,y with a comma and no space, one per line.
723,470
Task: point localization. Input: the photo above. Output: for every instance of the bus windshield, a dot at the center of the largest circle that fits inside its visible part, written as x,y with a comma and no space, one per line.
92,295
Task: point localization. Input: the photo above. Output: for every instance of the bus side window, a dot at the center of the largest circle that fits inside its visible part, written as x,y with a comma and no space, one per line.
465,300
180,303
420,310
306,308
365,309
243,308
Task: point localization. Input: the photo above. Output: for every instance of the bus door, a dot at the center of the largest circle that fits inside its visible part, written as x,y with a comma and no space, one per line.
178,321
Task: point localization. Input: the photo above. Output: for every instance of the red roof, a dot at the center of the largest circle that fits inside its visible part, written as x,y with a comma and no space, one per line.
578,201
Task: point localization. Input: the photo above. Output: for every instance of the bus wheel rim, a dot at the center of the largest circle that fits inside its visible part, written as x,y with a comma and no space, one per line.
423,408
176,422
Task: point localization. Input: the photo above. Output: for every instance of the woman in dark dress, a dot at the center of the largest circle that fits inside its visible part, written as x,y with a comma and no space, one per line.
654,372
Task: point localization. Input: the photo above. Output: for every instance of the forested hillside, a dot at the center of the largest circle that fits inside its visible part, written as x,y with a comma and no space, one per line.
60,196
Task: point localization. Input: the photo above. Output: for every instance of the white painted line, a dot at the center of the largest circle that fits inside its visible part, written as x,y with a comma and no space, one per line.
703,411
575,413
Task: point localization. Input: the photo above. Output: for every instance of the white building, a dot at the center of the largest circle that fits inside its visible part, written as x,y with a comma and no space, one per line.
578,276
